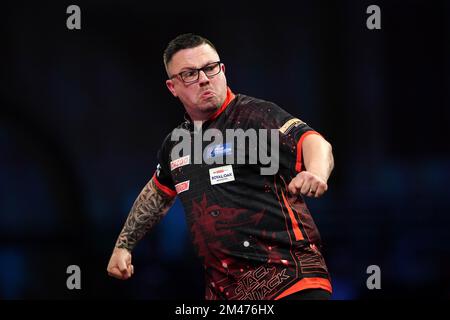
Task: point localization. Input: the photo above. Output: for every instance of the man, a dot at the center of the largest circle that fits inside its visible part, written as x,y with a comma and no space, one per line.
253,232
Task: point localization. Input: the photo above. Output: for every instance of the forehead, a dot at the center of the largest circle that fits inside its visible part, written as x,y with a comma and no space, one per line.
193,57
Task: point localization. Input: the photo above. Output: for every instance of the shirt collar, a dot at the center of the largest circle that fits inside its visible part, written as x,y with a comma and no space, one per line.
230,96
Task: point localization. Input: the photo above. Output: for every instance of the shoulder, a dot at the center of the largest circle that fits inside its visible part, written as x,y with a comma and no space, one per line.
253,104
261,113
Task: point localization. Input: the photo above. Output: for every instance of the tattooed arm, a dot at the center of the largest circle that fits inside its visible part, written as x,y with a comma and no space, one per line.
150,206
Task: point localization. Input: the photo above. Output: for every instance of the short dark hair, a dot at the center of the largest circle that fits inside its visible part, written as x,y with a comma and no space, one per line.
183,41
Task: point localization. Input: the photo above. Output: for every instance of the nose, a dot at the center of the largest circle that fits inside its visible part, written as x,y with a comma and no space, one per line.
202,78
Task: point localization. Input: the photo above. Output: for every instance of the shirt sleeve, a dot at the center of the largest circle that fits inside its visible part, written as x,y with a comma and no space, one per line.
162,176
292,131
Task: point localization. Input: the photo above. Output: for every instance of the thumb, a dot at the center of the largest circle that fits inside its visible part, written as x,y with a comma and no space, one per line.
291,188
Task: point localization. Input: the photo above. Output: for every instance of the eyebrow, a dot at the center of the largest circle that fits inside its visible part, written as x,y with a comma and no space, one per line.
194,68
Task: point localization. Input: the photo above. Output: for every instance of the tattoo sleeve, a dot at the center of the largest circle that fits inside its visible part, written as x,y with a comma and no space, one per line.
150,206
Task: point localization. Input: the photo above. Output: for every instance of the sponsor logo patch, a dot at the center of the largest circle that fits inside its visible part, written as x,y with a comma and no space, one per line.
221,174
289,125
180,162
219,150
182,186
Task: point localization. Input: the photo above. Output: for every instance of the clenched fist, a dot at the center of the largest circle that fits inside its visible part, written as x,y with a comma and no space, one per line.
119,265
308,184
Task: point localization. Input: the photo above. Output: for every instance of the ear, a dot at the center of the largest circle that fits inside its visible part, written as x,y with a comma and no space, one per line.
223,68
170,85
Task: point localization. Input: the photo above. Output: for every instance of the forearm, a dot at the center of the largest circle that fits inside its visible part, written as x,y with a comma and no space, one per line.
318,156
148,209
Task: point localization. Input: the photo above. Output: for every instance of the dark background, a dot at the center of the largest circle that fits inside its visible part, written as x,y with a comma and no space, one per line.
84,112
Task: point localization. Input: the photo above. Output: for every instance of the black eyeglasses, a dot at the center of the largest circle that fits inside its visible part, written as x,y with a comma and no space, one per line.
192,75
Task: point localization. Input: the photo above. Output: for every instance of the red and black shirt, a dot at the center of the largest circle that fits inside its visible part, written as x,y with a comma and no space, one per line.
256,240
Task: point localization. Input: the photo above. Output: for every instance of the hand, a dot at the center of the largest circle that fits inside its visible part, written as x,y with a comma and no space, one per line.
308,184
119,265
